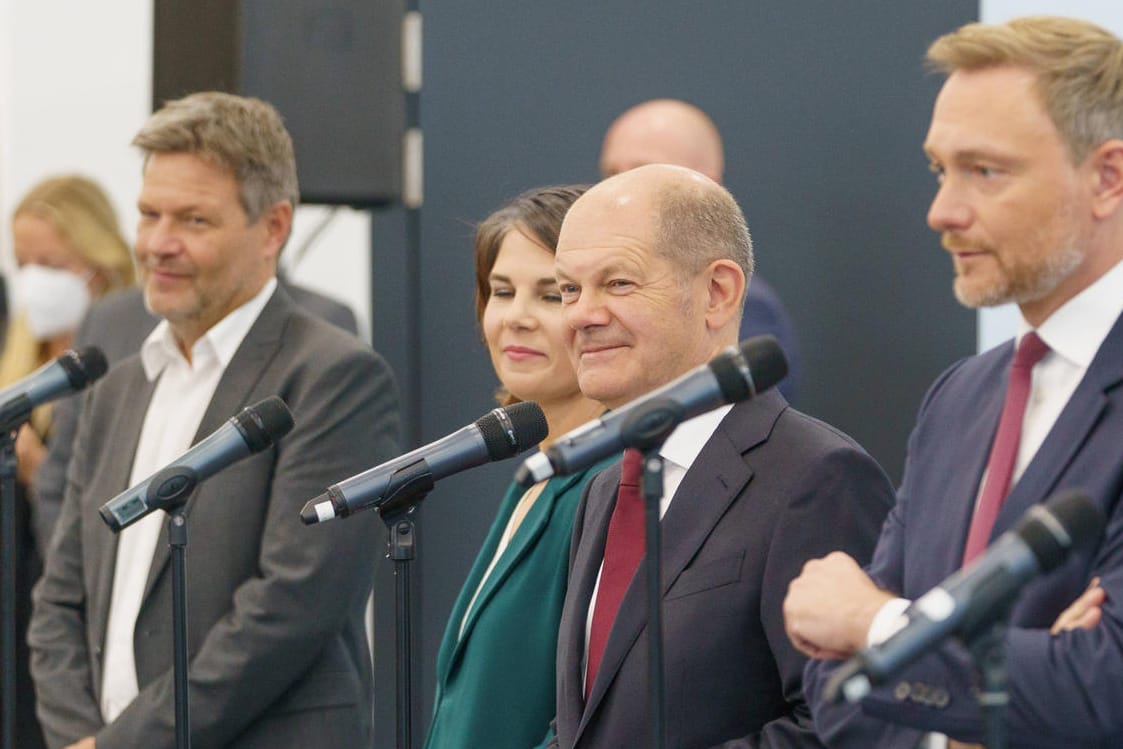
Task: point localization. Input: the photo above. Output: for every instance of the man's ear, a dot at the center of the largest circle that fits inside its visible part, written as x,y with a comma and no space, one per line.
277,220
725,283
1107,178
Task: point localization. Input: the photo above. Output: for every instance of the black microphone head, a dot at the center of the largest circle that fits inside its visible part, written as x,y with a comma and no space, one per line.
732,375
508,431
264,423
83,367
766,361
1065,521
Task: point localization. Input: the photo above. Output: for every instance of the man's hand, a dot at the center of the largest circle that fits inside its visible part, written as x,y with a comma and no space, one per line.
830,606
86,743
1083,613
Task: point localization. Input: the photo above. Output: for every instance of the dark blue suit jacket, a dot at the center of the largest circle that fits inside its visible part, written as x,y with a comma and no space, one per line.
1066,691
771,489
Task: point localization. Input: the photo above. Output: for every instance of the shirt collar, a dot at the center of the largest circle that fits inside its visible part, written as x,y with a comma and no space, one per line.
220,342
1078,329
688,438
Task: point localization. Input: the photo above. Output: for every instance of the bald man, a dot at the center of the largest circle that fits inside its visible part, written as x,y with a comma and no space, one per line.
668,131
652,266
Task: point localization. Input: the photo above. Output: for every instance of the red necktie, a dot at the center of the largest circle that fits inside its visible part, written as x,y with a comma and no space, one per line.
1004,451
623,551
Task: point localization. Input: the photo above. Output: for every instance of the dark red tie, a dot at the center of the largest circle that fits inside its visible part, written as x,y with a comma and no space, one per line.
623,551
1004,451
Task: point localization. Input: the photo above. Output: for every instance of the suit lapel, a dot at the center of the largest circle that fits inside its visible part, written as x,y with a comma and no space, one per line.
979,427
116,473
592,518
531,529
232,393
452,643
718,475
1068,435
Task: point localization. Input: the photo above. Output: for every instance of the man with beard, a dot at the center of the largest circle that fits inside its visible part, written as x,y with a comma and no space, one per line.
1026,140
278,652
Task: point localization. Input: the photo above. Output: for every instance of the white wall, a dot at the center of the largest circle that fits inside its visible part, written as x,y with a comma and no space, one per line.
1000,323
75,85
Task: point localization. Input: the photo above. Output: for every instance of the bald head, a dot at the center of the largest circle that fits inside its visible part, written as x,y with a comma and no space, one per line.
652,265
663,131
692,220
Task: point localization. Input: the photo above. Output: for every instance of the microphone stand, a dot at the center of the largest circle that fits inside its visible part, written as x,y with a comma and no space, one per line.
988,650
652,483
411,485
646,429
9,559
177,542
13,414
169,490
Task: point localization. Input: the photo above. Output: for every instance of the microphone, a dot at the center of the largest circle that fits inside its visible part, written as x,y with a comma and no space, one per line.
70,372
250,431
497,435
736,374
977,594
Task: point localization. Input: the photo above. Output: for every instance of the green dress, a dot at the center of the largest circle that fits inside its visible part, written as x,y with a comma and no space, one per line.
496,682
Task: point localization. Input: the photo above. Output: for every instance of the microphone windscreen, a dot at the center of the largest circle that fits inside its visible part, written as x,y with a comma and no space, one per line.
766,360
529,424
508,431
83,367
264,422
1066,521
728,369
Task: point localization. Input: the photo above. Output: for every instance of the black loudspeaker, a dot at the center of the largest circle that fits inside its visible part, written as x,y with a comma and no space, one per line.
331,67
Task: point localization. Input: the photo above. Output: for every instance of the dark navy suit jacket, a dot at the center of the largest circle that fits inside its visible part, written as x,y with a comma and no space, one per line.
770,489
1066,691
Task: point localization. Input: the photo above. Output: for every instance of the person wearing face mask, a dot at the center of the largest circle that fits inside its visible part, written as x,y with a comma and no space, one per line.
69,251
495,667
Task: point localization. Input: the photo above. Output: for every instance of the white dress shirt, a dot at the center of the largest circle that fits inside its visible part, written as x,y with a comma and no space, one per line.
1074,333
179,400
679,452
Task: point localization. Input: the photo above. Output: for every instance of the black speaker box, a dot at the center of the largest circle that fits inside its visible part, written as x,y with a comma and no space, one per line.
331,67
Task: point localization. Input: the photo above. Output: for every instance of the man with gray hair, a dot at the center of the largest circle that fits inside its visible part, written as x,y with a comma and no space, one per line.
278,654
652,267
669,131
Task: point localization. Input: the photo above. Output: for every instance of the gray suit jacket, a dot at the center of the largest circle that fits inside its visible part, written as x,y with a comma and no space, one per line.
275,609
118,324
771,489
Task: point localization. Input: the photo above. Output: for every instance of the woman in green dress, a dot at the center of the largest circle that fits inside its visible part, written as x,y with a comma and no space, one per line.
495,668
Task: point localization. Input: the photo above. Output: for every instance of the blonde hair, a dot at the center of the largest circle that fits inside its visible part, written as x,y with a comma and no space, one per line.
1078,65
242,134
81,213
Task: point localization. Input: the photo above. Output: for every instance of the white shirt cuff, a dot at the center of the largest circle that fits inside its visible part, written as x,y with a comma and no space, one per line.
888,621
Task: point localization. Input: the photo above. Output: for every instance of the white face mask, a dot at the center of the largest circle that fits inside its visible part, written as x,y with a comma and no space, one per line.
53,301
